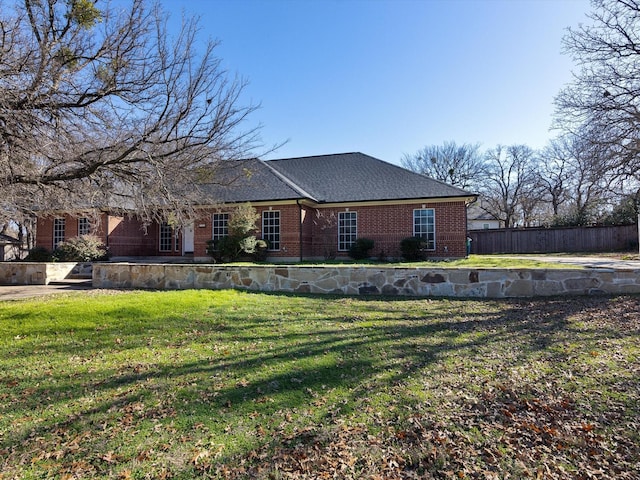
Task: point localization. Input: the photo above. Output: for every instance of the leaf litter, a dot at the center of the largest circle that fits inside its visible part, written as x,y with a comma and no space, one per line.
485,390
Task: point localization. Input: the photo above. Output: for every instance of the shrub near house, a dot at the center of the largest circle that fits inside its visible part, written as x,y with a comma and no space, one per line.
85,248
361,248
240,243
413,248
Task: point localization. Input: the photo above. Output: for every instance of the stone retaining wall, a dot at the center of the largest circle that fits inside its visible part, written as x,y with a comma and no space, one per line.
357,280
32,273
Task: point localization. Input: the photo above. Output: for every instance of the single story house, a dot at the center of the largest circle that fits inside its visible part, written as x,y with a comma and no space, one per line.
479,219
310,208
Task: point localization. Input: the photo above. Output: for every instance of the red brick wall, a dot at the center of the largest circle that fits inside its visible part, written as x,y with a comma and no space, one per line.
44,233
127,238
44,229
289,230
202,232
386,225
123,236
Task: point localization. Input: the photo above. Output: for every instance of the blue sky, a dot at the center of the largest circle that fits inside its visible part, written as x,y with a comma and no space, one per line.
389,77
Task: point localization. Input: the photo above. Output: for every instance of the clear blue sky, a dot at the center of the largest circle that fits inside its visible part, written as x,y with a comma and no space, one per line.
388,77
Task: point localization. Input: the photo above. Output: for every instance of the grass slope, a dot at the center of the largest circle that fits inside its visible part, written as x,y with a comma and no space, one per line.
472,261
229,384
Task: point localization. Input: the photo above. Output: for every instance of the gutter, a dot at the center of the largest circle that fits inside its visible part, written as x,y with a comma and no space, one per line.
300,227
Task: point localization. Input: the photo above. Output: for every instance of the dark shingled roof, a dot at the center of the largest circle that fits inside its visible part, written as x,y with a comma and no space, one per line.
249,181
346,177
354,177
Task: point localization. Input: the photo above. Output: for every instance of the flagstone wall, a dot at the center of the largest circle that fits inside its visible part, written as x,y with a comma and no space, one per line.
43,273
357,280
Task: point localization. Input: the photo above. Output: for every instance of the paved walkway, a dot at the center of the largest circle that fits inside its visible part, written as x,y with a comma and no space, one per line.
587,261
17,292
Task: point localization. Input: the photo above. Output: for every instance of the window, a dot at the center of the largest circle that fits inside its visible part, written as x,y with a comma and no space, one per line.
168,238
84,227
424,226
58,231
347,230
220,225
271,228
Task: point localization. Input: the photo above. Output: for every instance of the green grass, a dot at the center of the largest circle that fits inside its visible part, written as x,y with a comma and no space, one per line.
473,261
243,385
491,261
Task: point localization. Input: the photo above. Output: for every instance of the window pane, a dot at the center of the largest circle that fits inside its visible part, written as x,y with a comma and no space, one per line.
424,226
166,237
347,230
271,228
58,231
84,228
220,225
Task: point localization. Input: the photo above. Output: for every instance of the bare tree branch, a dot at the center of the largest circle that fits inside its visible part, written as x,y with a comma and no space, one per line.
508,186
604,97
105,106
459,165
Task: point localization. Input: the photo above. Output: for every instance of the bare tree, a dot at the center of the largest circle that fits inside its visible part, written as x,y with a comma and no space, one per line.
577,179
604,96
555,174
103,106
459,165
509,184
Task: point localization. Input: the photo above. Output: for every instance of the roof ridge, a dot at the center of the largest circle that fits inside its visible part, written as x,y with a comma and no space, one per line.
421,174
288,181
315,156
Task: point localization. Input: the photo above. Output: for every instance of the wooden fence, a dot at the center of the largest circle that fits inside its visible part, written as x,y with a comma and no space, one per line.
567,239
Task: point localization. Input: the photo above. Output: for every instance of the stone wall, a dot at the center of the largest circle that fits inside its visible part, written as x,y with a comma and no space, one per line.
356,280
32,273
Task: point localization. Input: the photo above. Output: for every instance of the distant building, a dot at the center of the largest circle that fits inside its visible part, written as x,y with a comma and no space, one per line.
479,219
9,248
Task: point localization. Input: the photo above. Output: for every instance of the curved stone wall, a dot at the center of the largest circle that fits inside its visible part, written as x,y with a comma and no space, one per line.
359,280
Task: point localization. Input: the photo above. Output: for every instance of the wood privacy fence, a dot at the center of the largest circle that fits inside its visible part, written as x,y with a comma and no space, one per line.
566,239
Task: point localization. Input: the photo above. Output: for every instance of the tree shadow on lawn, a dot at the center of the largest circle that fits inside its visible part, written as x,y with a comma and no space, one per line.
535,324
362,349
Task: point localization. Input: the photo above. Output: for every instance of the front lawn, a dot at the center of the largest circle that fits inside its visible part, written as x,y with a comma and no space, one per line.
472,261
228,384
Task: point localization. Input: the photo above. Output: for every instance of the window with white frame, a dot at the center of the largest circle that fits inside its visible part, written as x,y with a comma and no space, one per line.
84,227
347,230
58,232
424,226
220,225
168,238
271,228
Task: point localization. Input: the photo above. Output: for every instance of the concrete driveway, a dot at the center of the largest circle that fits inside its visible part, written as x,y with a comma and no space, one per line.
17,292
586,261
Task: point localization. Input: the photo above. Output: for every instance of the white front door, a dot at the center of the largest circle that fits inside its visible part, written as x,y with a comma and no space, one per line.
187,239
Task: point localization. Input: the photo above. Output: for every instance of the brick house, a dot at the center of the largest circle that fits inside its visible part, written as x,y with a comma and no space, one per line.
309,207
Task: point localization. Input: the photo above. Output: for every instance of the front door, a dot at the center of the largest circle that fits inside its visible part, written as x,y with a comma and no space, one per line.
187,239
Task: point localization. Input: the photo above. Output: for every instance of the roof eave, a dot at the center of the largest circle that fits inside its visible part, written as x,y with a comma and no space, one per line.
329,203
